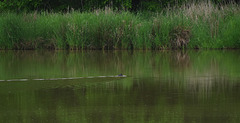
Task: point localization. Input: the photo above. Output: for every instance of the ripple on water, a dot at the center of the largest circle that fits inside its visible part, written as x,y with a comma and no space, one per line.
62,78
39,79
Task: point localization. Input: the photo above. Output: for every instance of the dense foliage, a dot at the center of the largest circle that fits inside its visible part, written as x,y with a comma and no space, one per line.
201,25
86,5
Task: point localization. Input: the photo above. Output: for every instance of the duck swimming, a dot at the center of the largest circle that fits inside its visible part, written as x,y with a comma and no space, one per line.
120,75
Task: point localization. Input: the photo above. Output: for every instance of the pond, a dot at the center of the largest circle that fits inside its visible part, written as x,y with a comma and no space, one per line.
82,86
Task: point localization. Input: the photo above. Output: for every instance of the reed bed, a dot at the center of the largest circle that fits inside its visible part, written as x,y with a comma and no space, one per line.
195,25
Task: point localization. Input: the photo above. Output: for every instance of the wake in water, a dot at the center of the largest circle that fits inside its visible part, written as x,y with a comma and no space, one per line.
89,77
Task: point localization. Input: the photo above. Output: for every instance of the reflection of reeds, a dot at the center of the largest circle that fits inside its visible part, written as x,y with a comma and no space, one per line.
180,60
194,25
204,86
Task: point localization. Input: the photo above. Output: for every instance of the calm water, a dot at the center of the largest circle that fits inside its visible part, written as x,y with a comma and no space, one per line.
161,87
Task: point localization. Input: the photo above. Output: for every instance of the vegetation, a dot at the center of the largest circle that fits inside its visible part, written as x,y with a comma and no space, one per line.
86,5
195,25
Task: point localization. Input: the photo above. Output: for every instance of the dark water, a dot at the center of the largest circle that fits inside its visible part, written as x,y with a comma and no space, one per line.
161,87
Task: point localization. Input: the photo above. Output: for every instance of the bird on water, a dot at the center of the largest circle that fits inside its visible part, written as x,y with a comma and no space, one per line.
120,74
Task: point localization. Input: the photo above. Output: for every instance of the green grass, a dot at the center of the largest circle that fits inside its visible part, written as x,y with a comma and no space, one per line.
210,26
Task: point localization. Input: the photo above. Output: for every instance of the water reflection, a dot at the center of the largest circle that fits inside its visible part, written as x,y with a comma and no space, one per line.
179,60
167,86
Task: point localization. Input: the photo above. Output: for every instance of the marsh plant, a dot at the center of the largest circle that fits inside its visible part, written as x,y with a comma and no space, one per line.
194,25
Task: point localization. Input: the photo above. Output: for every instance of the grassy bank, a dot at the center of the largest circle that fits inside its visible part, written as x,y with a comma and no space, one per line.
201,25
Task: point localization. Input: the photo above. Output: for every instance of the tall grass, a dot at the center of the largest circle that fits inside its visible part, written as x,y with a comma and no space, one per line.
208,26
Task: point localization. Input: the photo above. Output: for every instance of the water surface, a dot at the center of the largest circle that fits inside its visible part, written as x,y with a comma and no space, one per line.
166,86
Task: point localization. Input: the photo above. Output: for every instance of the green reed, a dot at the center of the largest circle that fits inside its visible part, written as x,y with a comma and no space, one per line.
209,26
